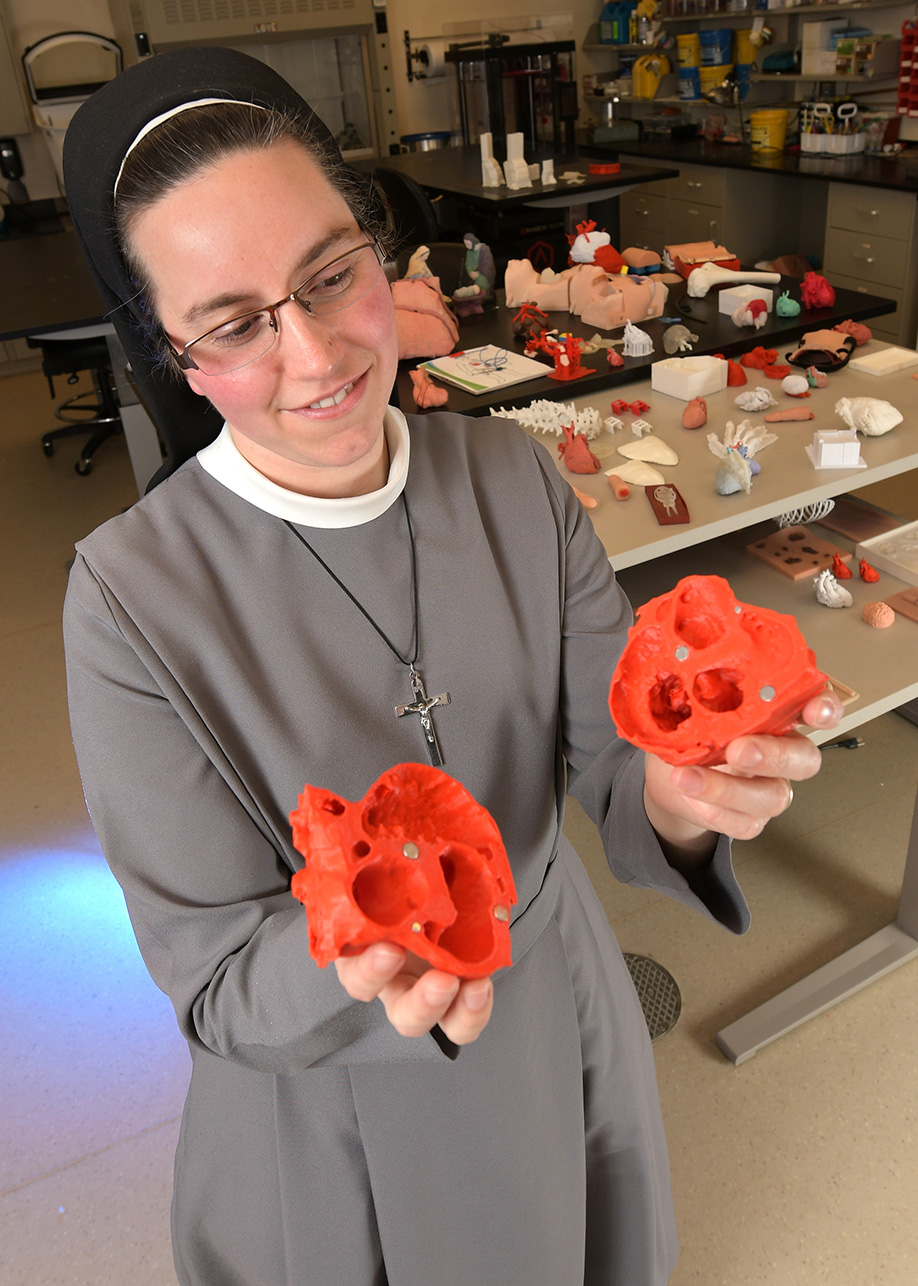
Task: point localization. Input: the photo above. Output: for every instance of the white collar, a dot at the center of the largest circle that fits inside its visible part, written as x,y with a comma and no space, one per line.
224,461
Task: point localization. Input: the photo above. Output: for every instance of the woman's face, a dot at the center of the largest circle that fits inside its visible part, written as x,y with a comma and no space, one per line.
244,233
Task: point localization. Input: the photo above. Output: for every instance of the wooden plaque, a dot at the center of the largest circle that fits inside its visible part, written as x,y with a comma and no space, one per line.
796,552
905,602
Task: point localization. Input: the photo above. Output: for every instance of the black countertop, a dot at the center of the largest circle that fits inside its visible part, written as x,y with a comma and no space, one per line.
45,286
899,173
456,171
715,330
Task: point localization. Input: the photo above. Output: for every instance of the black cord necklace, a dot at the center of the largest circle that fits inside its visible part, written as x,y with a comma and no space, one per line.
422,703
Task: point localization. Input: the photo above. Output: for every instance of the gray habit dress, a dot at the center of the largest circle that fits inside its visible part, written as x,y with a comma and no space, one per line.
214,668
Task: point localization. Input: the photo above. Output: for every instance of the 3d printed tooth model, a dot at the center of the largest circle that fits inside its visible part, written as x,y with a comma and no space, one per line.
417,862
700,669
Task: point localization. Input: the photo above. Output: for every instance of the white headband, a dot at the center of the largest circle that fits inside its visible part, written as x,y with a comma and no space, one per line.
165,116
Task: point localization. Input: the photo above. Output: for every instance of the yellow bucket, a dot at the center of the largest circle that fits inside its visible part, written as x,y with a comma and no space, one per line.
711,77
744,51
767,130
689,49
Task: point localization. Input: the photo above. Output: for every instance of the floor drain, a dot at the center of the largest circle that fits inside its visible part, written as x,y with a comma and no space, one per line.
657,992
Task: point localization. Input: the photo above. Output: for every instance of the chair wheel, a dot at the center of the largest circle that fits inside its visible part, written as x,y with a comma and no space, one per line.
47,447
83,467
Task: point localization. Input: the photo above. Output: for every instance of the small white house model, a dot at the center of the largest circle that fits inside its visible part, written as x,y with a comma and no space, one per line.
491,173
835,449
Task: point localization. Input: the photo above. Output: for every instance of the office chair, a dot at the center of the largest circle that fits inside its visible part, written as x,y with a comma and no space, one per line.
67,353
413,214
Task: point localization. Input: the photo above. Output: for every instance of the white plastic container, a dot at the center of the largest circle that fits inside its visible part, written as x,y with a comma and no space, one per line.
688,377
832,144
730,298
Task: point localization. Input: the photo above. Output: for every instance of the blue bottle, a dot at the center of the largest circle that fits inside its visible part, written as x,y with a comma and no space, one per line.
615,22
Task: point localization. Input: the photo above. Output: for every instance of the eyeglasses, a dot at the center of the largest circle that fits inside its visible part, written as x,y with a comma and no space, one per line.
243,339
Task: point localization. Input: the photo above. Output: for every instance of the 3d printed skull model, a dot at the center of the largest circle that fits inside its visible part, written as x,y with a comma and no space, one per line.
417,862
701,668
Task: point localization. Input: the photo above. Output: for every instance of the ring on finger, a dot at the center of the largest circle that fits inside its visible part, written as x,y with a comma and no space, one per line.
790,794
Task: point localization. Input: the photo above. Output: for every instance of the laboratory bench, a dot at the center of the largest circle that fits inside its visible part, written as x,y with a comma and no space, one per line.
716,333
879,666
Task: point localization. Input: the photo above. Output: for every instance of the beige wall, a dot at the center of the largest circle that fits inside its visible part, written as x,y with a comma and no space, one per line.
32,20
432,106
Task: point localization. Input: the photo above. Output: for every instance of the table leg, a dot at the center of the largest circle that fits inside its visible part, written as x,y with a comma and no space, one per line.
139,430
871,959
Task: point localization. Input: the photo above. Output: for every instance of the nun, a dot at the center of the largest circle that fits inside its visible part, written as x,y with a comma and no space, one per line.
308,560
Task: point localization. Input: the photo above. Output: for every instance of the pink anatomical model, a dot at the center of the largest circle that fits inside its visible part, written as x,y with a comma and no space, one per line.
695,414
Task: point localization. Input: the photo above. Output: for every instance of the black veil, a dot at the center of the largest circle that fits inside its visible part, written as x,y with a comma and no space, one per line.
97,140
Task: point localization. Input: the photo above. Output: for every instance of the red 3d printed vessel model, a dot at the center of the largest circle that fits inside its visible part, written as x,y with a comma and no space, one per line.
417,862
700,668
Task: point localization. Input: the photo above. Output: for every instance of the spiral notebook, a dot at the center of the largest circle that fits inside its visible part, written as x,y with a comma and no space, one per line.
482,370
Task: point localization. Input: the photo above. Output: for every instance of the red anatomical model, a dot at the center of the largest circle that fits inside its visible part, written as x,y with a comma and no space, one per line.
700,669
840,570
816,292
417,862
576,452
868,573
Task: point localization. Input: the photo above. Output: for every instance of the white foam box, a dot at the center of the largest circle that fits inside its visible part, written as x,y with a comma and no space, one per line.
688,377
730,298
880,552
818,35
886,362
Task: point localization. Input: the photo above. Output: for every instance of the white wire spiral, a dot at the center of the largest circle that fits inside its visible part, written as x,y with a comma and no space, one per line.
809,513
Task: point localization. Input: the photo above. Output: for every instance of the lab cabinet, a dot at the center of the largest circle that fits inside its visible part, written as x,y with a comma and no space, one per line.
871,246
754,215
16,357
14,114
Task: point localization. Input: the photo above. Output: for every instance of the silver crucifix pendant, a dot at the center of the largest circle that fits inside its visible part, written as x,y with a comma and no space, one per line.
422,705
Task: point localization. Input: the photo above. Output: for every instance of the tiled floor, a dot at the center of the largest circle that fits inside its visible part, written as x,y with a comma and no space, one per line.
798,1168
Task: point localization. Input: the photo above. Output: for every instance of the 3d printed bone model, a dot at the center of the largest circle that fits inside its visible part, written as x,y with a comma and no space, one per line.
700,669
417,862
702,279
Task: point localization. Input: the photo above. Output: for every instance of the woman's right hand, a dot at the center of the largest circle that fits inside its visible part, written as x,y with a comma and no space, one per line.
415,996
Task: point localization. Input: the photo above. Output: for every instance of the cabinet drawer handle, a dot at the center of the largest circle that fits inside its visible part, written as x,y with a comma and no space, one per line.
872,213
863,258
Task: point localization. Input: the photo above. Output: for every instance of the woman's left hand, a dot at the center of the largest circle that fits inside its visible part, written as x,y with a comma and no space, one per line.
738,798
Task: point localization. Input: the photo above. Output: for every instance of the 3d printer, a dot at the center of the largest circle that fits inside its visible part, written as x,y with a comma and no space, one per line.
506,89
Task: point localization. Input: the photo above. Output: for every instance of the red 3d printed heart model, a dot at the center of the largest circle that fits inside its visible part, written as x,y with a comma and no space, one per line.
700,668
417,862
